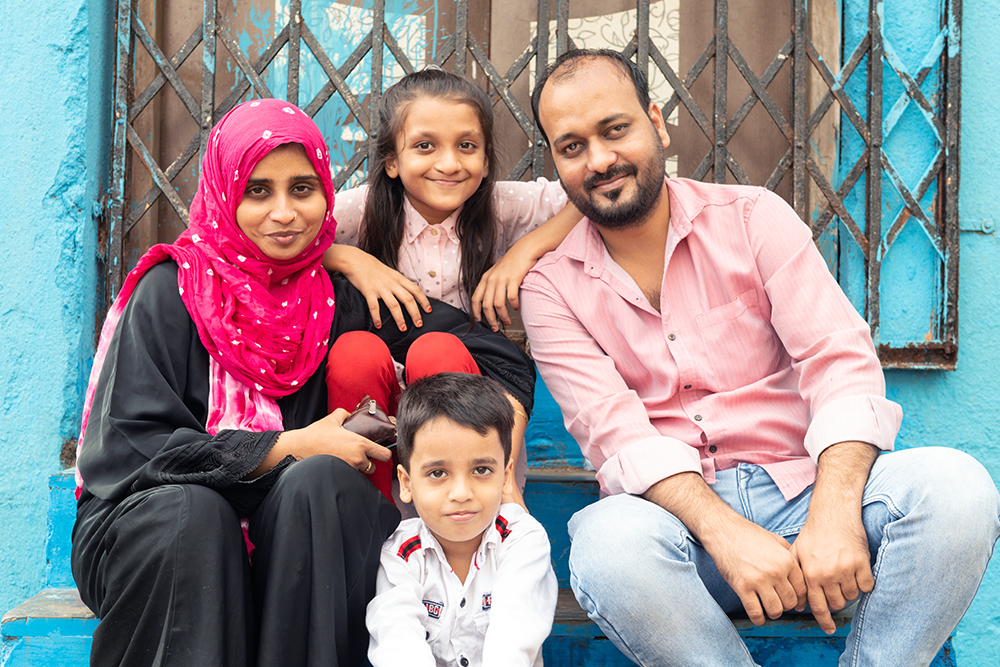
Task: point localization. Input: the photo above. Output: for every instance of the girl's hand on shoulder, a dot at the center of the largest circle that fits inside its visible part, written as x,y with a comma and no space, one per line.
499,285
328,436
378,282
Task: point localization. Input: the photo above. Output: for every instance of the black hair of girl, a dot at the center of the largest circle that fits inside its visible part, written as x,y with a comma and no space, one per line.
383,221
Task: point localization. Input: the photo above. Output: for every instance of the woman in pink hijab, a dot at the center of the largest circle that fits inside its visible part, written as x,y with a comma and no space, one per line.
207,409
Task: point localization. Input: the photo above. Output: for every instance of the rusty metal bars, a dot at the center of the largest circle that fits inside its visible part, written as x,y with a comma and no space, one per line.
121,214
114,269
949,211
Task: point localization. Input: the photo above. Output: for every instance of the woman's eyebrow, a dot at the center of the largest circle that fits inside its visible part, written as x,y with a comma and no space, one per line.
264,181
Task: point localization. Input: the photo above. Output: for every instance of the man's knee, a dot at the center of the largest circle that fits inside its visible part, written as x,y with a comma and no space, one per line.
622,535
950,489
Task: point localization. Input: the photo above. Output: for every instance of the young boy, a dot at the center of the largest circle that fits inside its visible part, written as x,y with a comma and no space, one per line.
469,582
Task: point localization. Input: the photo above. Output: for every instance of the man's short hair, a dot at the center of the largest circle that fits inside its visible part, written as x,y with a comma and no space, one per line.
567,63
472,401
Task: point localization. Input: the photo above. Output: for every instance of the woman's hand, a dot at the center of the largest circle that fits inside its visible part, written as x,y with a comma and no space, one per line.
376,282
326,436
500,285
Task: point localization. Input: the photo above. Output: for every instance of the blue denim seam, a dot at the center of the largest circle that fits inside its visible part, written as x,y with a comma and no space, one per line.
861,614
746,472
575,584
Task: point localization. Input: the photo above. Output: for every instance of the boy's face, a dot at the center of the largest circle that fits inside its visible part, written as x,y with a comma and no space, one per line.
456,480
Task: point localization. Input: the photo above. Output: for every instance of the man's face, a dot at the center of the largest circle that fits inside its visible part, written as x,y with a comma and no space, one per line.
608,152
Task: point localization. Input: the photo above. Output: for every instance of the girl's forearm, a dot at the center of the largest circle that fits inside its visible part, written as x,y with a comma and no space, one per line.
549,235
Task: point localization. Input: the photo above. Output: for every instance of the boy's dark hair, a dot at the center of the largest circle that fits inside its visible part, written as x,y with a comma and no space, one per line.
383,220
472,401
566,64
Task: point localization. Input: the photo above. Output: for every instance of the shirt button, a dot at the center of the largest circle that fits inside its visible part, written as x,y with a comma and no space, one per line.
697,418
712,449
462,603
687,386
464,661
671,336
434,232
432,273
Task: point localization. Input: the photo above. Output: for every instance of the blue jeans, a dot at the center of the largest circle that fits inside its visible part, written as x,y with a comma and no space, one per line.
931,515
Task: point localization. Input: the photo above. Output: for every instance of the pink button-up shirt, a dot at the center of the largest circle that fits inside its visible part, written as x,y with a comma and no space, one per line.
430,254
755,356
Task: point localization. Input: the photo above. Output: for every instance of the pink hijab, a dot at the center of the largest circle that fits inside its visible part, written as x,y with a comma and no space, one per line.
265,323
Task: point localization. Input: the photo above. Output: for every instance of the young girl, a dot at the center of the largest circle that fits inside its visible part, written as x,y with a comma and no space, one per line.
434,211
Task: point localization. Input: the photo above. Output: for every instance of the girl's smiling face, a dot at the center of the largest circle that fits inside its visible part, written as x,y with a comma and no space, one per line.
440,156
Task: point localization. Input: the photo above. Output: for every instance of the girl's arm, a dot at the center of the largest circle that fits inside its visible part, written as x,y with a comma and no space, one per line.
516,445
376,281
501,283
371,277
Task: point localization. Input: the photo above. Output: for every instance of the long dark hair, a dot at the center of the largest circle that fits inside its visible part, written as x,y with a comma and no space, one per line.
383,221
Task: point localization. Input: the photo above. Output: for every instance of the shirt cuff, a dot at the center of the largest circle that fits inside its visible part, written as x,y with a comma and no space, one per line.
642,464
871,419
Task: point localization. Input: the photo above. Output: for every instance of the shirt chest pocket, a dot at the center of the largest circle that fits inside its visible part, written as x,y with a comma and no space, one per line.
740,345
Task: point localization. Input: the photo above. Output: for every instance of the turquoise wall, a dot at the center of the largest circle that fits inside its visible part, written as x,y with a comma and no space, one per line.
53,133
54,139
958,408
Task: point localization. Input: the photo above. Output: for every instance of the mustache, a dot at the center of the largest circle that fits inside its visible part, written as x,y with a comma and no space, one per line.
613,172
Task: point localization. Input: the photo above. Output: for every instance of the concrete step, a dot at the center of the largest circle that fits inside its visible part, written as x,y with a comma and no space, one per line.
59,542
54,628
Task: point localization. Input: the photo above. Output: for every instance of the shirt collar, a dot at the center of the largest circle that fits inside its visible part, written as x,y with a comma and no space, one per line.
585,242
492,538
416,223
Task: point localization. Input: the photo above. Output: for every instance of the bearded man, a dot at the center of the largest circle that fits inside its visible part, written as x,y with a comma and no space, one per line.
731,400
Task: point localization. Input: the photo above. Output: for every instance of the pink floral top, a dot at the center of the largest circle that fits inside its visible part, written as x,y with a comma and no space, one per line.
430,253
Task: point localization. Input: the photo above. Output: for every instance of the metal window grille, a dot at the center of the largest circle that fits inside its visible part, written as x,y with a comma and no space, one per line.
856,93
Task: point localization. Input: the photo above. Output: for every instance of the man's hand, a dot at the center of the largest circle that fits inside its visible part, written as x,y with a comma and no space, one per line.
833,555
756,563
832,548
760,568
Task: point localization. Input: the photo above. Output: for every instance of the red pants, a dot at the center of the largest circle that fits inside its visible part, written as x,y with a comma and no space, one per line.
359,365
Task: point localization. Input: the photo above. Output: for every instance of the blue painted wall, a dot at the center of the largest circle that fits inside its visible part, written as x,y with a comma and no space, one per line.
53,133
54,136
958,409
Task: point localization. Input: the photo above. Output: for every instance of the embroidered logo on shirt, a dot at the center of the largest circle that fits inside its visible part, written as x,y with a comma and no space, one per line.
434,609
407,548
501,525
487,601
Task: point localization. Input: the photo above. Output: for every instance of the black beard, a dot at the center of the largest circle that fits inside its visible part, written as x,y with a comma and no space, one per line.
621,214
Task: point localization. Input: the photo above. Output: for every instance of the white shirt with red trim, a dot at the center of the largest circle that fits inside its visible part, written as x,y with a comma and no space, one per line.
422,615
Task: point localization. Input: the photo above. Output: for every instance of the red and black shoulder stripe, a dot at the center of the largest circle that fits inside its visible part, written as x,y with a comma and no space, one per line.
409,547
501,526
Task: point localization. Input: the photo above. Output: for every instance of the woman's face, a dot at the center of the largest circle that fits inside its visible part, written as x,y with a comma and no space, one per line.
283,206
